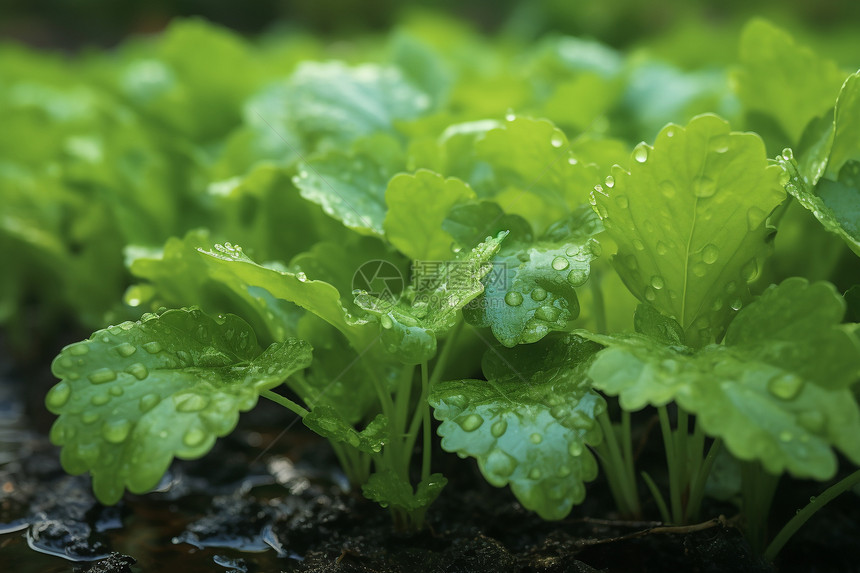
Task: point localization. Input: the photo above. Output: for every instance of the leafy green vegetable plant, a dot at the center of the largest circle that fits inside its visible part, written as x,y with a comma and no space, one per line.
565,275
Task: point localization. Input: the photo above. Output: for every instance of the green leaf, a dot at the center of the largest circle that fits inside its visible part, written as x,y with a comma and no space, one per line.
529,423
417,207
777,391
136,395
257,285
535,174
846,137
649,321
785,80
836,204
389,490
689,221
328,423
532,289
468,223
351,186
411,325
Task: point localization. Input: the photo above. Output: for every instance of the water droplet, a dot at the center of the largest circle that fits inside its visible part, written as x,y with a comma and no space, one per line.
717,304
190,402
535,474
572,160
640,153
704,186
386,321
786,436
125,349
630,262
720,144
609,181
89,417
184,357
148,402
750,270
731,287
513,298
736,304
510,116
785,386
538,294
499,428
670,131
638,245
787,154
700,269
547,313
710,253
599,189
662,249
574,449
102,375
58,395
650,295
100,399
499,463
301,276
557,139
116,431
559,411
79,349
471,422
657,282
601,211
784,178
560,263
535,438
152,347
667,188
193,437
577,277
621,201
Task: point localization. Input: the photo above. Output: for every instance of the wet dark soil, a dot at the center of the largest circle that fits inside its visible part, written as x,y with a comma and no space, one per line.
263,501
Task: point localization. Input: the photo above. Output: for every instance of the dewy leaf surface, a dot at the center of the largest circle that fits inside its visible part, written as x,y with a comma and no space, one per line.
228,265
136,395
411,325
777,391
689,221
780,78
417,206
532,289
528,424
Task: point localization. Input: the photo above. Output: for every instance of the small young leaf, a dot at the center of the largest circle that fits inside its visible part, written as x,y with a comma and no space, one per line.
328,423
136,395
689,220
529,423
532,289
649,321
389,490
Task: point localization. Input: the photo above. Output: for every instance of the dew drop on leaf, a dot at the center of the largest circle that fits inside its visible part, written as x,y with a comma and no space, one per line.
153,347
500,463
58,395
572,160
704,186
547,313
667,188
785,386
557,139
609,181
89,417
786,436
125,349
499,428
116,431
535,438
650,295
102,376
787,154
191,402
700,269
513,298
78,349
657,282
100,399
138,370
750,270
577,277
535,474
662,249
148,402
386,321
812,420
710,253
640,153
638,245
574,449
471,422
720,144
560,263
736,304
193,437
538,294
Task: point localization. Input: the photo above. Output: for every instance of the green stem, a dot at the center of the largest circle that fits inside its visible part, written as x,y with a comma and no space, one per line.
285,402
697,488
658,498
618,467
804,514
672,462
599,303
757,488
424,407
